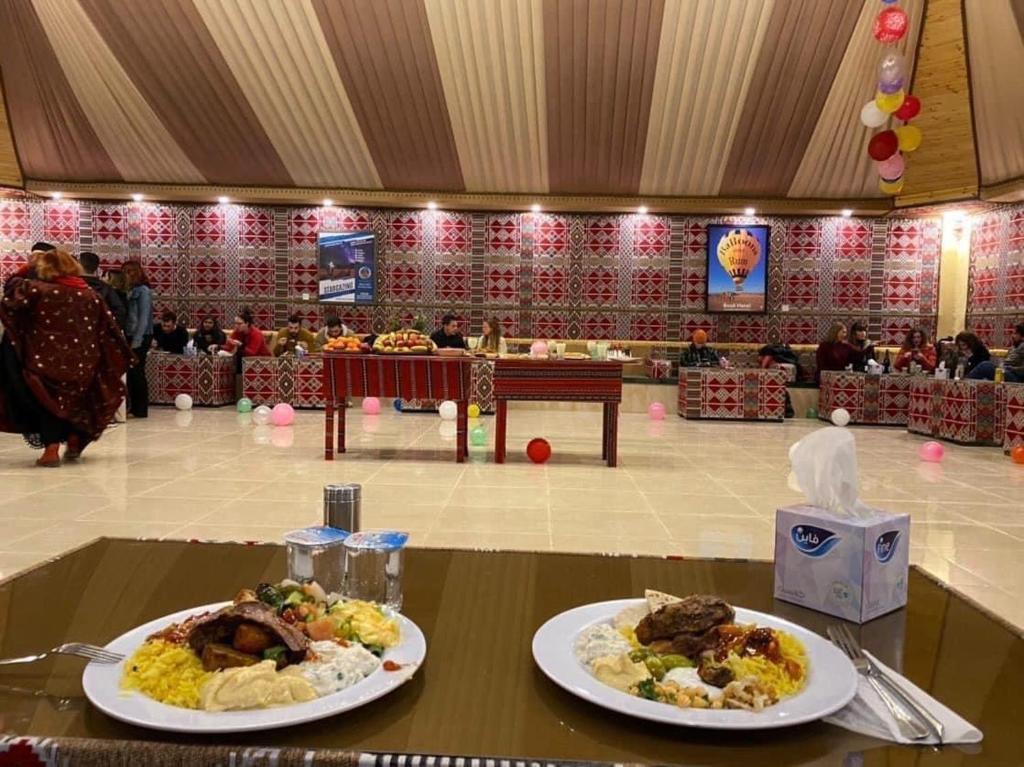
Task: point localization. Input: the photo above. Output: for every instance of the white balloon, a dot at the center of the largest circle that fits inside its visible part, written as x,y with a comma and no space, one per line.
183,402
448,411
871,116
261,415
840,416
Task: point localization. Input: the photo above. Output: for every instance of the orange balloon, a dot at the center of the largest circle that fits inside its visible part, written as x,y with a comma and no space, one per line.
1017,454
738,253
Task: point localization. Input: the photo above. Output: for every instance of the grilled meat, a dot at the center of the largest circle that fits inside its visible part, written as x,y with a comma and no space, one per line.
217,656
694,615
221,628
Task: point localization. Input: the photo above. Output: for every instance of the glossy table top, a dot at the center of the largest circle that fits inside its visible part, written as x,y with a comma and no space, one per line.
479,692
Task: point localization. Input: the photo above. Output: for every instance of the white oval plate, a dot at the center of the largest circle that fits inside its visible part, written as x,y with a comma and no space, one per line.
102,685
831,683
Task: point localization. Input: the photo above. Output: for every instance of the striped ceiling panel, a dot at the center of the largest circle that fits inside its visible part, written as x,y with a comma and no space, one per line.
674,98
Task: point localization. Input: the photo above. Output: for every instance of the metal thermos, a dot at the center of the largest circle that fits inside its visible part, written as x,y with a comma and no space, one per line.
342,506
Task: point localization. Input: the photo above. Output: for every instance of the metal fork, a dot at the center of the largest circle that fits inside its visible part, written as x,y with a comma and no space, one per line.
90,651
909,727
931,722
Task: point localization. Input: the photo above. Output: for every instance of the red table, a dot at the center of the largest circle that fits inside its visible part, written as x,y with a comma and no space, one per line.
400,376
559,381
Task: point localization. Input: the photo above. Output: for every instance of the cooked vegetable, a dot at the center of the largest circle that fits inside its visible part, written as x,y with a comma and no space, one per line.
647,689
294,598
277,653
676,661
321,629
655,666
316,591
252,638
269,595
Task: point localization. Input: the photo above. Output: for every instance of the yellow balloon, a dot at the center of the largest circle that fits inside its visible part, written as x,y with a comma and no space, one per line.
738,253
909,137
891,187
474,411
889,102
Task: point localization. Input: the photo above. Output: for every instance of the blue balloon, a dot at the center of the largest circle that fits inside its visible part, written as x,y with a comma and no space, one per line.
398,405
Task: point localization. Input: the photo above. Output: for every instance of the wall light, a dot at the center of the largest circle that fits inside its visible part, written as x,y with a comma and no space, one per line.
535,208
328,202
749,211
432,205
137,196
847,212
642,210
223,200
56,195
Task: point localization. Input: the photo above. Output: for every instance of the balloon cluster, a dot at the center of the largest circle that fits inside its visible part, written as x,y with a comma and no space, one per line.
888,147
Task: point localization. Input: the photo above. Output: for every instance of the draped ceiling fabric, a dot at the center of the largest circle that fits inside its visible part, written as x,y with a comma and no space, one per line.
675,98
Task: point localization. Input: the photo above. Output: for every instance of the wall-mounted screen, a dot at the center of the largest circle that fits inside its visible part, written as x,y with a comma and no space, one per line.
737,275
347,267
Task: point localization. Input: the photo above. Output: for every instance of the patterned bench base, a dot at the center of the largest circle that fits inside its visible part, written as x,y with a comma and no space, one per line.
1014,435
208,380
732,394
269,380
965,412
870,399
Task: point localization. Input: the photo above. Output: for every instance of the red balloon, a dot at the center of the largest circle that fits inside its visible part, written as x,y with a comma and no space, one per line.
891,24
909,109
883,145
1017,454
538,450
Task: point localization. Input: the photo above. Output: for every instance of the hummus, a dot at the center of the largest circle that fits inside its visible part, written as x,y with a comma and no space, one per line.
619,671
258,686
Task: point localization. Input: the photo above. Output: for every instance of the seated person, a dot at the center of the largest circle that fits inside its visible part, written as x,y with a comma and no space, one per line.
491,340
1013,365
971,352
916,349
208,336
699,354
860,342
448,336
169,336
246,338
294,336
333,328
834,353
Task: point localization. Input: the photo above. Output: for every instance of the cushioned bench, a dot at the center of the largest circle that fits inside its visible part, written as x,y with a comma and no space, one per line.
746,394
869,399
1014,431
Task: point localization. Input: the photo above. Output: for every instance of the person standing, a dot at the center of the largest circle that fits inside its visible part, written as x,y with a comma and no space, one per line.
90,266
140,335
61,358
448,335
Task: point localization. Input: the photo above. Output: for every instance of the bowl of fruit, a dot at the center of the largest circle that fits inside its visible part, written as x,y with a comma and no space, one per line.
347,345
404,342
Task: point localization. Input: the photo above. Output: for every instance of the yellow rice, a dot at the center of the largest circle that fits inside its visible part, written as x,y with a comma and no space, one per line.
773,676
169,673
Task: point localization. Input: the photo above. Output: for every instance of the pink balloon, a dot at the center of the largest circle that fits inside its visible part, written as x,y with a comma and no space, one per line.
656,411
282,414
539,349
891,167
931,452
371,405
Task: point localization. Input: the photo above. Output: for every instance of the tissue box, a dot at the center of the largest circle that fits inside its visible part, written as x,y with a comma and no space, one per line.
855,569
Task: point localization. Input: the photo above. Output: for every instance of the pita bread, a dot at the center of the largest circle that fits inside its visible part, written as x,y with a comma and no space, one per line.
628,618
658,599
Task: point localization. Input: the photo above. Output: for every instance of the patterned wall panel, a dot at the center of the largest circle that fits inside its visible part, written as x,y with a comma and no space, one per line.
545,275
995,300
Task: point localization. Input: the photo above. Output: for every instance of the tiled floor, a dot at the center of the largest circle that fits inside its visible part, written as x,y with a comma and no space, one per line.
695,489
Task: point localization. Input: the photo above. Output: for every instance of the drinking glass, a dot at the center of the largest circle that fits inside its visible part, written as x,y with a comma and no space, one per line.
373,567
317,554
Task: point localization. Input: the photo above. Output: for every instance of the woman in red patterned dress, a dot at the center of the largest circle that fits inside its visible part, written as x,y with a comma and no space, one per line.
62,356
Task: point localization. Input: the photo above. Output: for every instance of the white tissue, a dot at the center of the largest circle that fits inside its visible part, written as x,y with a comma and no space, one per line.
824,469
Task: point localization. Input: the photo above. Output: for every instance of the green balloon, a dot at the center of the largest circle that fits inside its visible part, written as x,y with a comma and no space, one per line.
245,405
812,412
478,436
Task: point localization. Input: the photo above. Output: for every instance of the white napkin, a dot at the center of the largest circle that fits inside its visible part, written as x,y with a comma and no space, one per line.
868,715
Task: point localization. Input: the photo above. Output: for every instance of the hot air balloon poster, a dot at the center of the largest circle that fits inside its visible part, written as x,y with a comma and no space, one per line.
737,279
